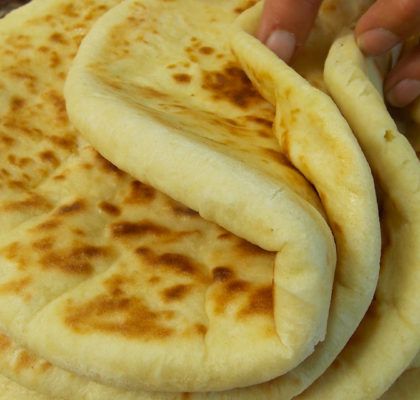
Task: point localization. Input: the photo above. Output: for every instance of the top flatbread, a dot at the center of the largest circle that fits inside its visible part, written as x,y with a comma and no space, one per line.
92,390
176,101
82,244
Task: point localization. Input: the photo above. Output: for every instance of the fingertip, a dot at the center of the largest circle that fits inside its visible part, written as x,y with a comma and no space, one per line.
377,41
282,43
404,92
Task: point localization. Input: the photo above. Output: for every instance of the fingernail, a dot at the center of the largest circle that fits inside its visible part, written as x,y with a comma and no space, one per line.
404,92
282,43
377,41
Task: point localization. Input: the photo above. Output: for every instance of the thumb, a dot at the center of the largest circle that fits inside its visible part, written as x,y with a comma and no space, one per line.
286,24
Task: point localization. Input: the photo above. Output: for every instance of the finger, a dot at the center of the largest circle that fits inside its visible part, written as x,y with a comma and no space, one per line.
386,23
402,85
285,25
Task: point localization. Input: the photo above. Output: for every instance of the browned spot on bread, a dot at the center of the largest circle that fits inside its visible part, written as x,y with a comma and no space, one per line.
222,274
182,78
4,342
190,53
45,243
57,101
78,231
109,208
200,329
24,360
207,50
55,59
20,162
230,84
237,286
173,262
76,260
177,292
115,284
16,184
47,225
119,315
260,301
28,79
65,142
12,250
43,49
178,263
48,156
33,201
140,193
230,290
57,37
44,366
15,286
7,140
125,228
16,103
154,280
72,208
185,396
70,10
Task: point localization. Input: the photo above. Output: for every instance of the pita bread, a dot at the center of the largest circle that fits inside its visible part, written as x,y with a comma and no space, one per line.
389,336
79,260
11,390
56,380
153,112
407,386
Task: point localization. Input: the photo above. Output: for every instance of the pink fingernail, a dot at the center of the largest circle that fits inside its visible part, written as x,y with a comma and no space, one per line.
377,41
404,92
282,43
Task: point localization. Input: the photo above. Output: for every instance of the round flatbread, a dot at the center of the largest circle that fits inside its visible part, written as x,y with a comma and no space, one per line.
389,336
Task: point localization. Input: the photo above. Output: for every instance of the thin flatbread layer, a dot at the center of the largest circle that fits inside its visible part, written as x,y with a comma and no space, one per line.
265,200
175,110
389,336
357,267
407,386
11,390
120,268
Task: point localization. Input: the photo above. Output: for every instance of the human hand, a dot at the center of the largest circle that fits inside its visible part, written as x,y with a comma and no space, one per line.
286,24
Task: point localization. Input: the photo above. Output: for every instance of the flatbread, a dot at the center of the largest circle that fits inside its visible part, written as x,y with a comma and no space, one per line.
389,336
40,374
284,216
82,244
11,390
407,386
162,108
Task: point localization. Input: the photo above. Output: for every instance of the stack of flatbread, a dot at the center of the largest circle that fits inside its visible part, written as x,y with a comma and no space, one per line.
184,216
